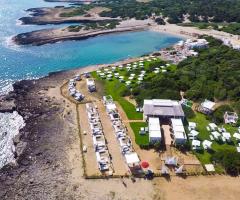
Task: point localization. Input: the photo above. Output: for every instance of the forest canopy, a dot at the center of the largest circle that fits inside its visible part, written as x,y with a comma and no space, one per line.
175,10
214,74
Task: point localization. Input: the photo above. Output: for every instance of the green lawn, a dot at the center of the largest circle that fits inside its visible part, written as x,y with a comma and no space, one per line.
141,140
114,88
202,122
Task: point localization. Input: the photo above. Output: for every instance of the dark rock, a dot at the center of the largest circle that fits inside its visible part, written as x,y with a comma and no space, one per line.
16,139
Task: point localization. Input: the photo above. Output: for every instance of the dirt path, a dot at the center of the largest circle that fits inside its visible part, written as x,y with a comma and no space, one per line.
119,165
198,188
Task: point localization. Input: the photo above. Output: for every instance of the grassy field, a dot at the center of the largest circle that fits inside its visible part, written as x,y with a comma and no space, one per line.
141,140
115,88
202,122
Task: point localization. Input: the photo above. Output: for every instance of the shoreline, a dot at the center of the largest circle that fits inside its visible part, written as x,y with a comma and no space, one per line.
193,32
47,15
45,36
32,38
50,164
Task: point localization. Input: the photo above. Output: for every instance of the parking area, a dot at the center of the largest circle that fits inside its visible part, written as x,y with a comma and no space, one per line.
117,164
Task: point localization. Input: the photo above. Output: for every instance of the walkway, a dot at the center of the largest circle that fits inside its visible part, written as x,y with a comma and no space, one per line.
120,168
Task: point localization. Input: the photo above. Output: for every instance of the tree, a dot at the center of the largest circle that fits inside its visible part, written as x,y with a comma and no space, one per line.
229,159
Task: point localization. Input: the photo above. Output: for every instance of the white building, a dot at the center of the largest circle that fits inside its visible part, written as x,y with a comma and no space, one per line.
196,43
230,118
162,108
155,134
178,131
207,107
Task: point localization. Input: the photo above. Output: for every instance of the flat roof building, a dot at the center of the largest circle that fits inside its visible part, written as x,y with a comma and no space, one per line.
230,117
162,108
207,107
154,128
178,131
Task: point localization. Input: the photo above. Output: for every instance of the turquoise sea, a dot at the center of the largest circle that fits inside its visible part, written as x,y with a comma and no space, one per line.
28,62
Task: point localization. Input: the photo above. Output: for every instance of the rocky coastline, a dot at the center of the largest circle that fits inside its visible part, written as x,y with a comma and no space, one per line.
35,155
43,16
51,36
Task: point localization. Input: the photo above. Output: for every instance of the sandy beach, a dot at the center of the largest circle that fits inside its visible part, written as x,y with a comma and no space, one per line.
188,32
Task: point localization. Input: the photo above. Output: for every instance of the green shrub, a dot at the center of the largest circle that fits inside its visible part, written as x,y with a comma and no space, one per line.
229,159
189,113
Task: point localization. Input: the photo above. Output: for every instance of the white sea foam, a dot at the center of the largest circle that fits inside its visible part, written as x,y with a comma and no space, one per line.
18,22
9,43
6,89
10,125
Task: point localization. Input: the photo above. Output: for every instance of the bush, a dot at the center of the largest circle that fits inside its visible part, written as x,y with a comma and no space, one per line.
189,113
125,92
160,21
229,159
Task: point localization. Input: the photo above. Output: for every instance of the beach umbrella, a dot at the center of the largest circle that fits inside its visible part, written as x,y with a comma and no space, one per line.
145,164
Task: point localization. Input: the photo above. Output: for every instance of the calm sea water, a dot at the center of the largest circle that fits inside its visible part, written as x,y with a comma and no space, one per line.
27,62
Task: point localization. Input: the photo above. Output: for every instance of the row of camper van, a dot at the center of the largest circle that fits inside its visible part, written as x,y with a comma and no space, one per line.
99,141
120,131
72,88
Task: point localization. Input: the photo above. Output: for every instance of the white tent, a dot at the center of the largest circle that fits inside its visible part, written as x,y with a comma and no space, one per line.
171,161
216,134
226,135
132,159
194,133
196,143
237,136
179,170
210,167
192,125
207,144
164,170
131,78
212,126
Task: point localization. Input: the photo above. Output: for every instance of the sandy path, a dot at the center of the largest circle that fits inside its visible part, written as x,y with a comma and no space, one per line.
120,167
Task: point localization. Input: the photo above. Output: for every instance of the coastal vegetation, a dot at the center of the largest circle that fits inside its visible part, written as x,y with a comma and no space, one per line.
174,10
213,75
103,25
77,11
228,159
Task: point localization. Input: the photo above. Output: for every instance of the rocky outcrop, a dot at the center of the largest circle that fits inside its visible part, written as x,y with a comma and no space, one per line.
43,16
55,35
40,149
